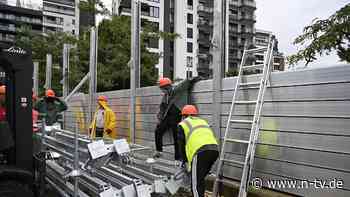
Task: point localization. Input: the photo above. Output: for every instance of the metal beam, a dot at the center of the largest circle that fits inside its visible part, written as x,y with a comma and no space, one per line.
93,71
48,71
65,70
36,78
134,63
218,62
81,83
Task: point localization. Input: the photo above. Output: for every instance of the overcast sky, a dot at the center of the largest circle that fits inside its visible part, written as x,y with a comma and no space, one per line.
286,19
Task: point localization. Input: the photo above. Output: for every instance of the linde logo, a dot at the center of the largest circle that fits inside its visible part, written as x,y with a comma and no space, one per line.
15,50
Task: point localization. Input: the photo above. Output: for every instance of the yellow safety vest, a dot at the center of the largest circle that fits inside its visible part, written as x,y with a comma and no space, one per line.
197,134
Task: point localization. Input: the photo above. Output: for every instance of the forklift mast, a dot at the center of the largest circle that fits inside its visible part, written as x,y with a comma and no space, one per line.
17,65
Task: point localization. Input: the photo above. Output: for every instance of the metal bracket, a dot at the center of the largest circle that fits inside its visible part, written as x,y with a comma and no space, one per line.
73,173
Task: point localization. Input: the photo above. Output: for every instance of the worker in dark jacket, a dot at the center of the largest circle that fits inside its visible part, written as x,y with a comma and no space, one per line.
50,106
174,98
199,148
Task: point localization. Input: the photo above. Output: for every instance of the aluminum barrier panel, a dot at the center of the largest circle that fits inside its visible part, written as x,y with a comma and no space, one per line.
304,143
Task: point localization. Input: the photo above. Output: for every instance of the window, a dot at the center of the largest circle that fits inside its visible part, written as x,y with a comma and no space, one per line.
189,47
190,2
189,74
189,33
189,18
73,32
154,11
73,22
243,28
189,61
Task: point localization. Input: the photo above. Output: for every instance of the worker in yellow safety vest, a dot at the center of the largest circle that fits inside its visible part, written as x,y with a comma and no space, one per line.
198,147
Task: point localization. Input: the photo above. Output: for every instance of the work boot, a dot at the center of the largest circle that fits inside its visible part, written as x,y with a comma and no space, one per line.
157,155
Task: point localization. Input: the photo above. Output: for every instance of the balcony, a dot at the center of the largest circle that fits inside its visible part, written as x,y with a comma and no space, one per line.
249,3
7,28
202,8
51,9
53,22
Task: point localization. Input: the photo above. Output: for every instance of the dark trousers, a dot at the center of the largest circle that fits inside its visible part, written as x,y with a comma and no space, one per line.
201,165
160,130
99,132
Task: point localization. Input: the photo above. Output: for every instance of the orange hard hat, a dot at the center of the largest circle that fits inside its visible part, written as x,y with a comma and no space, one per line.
2,89
164,82
189,110
50,93
102,98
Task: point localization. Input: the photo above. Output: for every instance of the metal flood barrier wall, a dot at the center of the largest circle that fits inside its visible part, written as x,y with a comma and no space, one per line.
305,128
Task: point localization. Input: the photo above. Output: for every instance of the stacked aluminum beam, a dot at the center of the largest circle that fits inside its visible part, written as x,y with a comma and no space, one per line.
111,175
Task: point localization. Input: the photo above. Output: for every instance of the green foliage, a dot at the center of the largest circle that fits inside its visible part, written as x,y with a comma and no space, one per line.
114,55
324,36
41,45
94,6
232,72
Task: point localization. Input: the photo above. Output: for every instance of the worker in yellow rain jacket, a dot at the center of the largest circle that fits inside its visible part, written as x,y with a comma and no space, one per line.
198,147
104,121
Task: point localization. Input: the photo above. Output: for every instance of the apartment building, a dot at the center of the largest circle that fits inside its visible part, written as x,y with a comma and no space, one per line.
189,54
152,14
60,16
261,40
12,18
241,31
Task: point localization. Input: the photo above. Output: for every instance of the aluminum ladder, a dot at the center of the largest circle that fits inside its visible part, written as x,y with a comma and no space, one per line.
254,124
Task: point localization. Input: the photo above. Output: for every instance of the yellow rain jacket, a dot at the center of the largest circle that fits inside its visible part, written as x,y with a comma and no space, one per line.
109,122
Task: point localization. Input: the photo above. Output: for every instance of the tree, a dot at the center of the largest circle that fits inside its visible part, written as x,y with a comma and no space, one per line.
324,36
114,55
51,43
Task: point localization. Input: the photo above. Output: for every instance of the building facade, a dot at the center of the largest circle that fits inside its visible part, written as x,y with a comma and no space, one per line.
152,14
60,16
12,18
261,40
189,54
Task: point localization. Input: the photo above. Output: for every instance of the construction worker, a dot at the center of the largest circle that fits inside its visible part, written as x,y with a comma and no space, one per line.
174,98
35,114
199,148
3,103
104,121
50,106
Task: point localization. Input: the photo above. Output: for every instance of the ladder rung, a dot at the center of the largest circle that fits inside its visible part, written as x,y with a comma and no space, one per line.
233,161
253,66
237,141
257,50
245,102
243,121
250,84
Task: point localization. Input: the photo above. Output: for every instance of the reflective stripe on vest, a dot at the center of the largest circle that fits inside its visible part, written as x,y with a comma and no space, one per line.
193,129
197,133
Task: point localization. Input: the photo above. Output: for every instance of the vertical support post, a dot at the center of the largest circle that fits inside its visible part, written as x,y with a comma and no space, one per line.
93,73
134,63
36,78
76,161
65,70
227,35
65,74
77,17
48,71
217,64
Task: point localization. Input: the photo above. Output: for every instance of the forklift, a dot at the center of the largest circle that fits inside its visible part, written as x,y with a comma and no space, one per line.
16,144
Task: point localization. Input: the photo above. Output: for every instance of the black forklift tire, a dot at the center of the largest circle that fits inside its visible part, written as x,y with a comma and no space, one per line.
11,188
